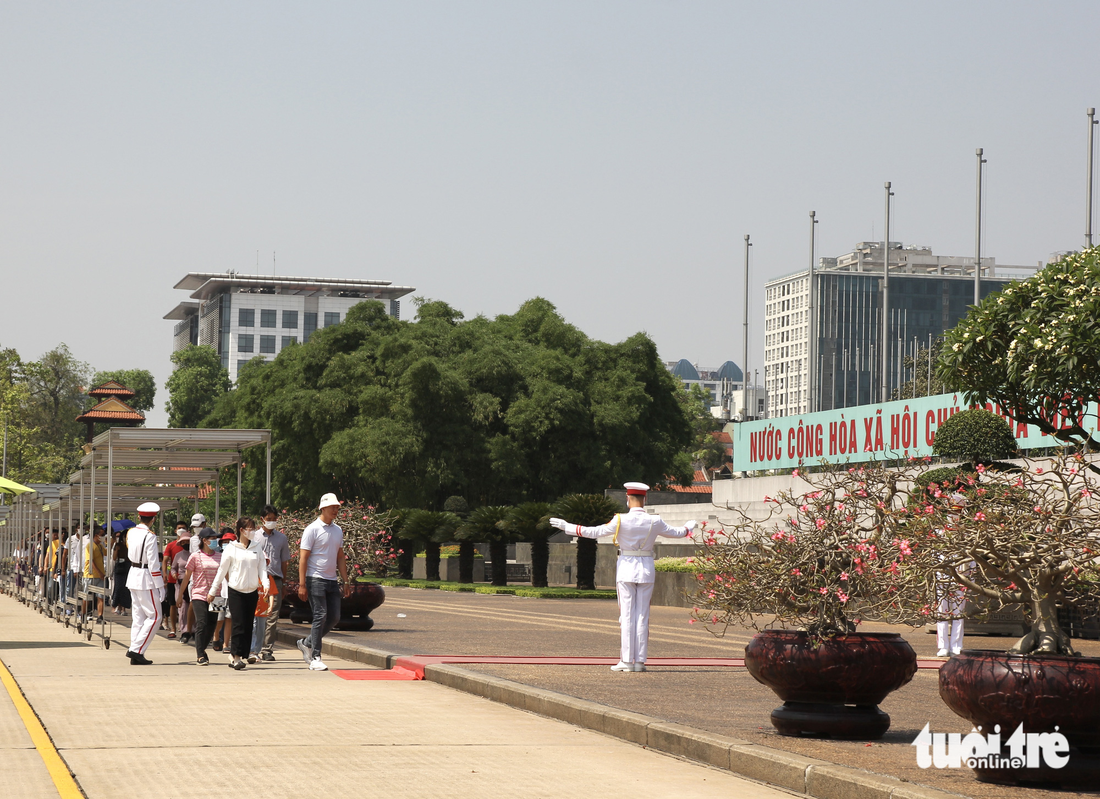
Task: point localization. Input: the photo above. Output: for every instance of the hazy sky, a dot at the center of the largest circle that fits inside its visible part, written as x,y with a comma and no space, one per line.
609,156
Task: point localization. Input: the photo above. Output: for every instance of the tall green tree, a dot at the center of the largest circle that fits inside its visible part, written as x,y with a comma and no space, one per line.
195,385
56,383
1034,349
31,456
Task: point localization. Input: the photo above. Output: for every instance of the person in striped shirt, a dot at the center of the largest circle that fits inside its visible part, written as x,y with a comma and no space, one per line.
199,578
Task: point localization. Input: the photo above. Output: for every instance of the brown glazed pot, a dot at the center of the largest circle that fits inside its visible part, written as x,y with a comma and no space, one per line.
1042,692
355,610
834,688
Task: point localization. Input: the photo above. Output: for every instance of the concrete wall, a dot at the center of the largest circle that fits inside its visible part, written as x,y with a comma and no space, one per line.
448,569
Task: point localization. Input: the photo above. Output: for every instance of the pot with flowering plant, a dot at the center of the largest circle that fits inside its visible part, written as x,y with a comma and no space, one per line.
369,550
1029,537
817,564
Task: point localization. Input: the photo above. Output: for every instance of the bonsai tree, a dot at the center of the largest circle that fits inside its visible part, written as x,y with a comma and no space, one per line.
1028,537
587,510
977,436
487,524
822,561
531,522
430,528
460,508
1032,349
368,542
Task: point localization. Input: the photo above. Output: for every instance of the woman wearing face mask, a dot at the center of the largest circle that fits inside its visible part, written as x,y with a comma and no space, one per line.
244,569
198,576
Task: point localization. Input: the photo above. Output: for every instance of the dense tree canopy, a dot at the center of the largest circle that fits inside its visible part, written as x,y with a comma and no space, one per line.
521,407
1034,348
140,381
195,385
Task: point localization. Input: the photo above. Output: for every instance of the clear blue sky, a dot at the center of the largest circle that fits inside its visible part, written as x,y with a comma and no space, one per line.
609,156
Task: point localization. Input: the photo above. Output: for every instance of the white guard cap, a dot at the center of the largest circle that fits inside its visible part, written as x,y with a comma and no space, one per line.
148,509
636,489
327,500
198,520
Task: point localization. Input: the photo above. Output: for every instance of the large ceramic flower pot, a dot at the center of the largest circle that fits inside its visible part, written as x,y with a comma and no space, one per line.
833,688
1045,693
355,610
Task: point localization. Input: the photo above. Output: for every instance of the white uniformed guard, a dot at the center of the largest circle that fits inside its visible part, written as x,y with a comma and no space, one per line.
146,583
635,533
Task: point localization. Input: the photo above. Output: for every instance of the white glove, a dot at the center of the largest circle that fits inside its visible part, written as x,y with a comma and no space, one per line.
561,524
160,594
690,525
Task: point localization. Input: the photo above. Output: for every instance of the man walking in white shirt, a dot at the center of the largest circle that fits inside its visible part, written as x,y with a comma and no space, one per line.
635,533
321,556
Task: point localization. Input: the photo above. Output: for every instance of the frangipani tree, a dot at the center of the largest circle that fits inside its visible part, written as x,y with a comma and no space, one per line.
1033,348
852,547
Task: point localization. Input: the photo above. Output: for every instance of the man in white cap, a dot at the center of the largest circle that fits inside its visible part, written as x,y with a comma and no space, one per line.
949,632
198,522
320,557
635,533
146,583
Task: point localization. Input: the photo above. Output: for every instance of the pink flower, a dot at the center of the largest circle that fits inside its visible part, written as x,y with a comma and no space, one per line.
843,597
795,473
824,591
980,468
1039,470
979,516
796,572
820,523
844,576
691,621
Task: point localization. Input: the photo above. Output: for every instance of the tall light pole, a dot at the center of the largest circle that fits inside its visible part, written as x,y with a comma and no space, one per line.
884,377
812,405
1088,193
745,351
978,234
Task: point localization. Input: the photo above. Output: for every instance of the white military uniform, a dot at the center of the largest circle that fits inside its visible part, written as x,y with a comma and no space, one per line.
146,584
635,533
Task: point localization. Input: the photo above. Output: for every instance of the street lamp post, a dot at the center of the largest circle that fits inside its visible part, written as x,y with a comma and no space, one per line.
1088,193
745,351
812,353
884,377
978,234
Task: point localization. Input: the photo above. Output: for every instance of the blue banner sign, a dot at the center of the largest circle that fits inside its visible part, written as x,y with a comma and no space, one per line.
886,431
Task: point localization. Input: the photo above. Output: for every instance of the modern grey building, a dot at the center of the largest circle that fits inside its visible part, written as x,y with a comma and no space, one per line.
929,294
730,397
249,316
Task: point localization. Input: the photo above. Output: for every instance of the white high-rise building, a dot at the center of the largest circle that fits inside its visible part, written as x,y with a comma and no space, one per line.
249,316
929,294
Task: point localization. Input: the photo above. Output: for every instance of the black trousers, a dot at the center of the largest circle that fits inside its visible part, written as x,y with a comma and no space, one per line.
242,607
205,621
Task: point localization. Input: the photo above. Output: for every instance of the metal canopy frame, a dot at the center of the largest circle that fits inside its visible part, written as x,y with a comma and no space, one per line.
122,468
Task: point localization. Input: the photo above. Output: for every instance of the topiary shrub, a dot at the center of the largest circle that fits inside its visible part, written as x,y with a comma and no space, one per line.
587,510
430,528
977,436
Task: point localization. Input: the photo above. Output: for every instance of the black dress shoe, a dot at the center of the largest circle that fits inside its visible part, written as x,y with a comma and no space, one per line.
137,659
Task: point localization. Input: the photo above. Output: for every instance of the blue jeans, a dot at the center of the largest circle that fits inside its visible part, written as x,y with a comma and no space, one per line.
259,627
324,601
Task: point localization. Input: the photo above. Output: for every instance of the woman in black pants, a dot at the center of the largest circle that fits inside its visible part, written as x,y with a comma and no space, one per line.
244,568
198,578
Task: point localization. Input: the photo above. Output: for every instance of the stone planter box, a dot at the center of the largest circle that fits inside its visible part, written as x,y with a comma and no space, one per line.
448,569
673,589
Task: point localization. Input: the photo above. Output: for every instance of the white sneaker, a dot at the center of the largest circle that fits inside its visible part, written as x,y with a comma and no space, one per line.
620,666
307,652
957,651
942,653
253,657
638,667
317,665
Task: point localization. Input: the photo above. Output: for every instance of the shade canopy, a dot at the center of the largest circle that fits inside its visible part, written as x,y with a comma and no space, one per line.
11,487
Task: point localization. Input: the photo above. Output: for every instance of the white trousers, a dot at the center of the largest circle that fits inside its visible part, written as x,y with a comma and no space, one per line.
634,620
949,634
146,618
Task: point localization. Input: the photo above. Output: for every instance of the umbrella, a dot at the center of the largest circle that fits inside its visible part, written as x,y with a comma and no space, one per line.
119,525
12,487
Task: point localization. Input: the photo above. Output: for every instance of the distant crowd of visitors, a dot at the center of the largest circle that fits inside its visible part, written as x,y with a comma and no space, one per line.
213,589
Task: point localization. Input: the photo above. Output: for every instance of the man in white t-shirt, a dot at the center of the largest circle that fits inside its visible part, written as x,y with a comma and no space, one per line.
320,559
74,549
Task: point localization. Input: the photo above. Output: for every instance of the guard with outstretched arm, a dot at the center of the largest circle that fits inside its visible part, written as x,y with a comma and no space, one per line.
635,533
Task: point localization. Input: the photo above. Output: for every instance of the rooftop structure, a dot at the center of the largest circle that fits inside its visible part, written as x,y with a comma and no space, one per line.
226,308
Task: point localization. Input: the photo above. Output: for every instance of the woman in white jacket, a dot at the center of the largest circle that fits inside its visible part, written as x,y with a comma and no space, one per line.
244,569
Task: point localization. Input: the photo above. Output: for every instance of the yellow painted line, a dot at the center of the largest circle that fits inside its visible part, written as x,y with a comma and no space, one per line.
59,772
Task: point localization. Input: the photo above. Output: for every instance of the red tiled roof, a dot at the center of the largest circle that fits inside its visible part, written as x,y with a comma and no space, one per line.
691,489
94,415
111,389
